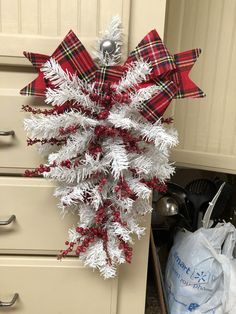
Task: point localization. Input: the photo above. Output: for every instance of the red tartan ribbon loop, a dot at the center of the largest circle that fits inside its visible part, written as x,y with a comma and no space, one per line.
170,73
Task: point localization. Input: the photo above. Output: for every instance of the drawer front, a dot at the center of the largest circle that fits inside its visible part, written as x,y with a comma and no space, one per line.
39,228
47,286
14,152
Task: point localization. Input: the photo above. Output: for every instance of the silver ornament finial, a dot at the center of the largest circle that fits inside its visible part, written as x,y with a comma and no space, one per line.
108,46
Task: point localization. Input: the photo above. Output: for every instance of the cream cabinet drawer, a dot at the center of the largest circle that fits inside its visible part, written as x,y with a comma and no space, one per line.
47,286
39,228
14,152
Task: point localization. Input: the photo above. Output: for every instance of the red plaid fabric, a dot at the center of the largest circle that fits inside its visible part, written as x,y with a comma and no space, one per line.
38,86
152,49
71,55
105,74
170,73
184,62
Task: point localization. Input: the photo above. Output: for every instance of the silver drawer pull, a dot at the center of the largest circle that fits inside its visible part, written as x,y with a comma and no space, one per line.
7,133
10,303
8,221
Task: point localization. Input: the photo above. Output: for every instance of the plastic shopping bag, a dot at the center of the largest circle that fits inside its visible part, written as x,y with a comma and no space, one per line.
201,271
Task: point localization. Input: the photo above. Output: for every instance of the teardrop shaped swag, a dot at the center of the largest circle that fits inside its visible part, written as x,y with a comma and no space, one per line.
107,157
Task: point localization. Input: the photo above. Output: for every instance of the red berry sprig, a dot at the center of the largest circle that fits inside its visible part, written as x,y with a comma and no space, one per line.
104,131
32,110
43,141
94,149
86,237
122,188
37,171
66,163
68,130
128,251
101,184
155,184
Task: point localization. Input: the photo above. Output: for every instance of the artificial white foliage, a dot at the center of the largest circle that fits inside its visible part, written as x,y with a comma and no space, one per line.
136,73
49,126
113,33
116,156
90,183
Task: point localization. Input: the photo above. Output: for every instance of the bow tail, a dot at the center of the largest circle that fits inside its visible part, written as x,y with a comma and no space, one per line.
71,56
184,62
36,87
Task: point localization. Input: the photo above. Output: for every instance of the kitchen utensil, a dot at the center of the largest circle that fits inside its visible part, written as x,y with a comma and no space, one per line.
200,192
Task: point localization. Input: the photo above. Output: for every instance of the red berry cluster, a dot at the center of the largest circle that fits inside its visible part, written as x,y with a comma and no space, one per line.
123,189
100,215
52,141
102,115
116,217
104,101
129,140
94,149
32,110
106,96
65,252
57,109
66,163
155,184
87,236
37,171
128,251
103,131
101,184
68,130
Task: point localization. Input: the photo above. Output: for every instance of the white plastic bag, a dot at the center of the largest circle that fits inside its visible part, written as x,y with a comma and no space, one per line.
201,271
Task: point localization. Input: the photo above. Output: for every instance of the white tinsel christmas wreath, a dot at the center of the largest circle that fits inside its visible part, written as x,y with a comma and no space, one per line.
105,138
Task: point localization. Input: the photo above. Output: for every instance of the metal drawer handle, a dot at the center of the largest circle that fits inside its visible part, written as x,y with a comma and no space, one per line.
8,221
10,303
7,133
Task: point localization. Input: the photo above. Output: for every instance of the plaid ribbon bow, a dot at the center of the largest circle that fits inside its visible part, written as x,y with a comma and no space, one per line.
169,72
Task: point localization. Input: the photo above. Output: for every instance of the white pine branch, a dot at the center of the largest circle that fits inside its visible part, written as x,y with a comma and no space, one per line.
49,126
68,87
141,163
142,207
122,231
62,174
114,33
119,120
140,189
125,204
89,166
73,194
76,145
136,73
135,228
57,76
116,156
67,93
142,95
86,215
95,198
162,137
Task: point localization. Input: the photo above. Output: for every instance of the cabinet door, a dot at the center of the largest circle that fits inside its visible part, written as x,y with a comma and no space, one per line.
206,126
39,25
38,228
47,286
